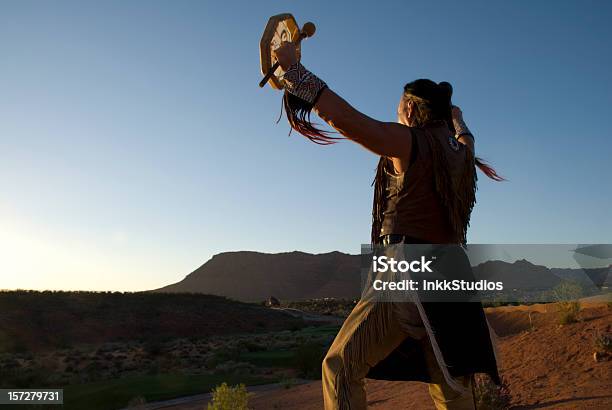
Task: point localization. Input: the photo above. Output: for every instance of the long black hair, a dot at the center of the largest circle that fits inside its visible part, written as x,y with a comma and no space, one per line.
433,104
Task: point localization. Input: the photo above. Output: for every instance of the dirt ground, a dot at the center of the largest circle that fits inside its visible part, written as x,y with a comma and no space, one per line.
546,366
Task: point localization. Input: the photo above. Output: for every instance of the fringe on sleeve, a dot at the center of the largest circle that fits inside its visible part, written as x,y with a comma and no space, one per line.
298,114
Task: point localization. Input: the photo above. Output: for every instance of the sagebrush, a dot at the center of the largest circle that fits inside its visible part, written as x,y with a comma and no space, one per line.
226,397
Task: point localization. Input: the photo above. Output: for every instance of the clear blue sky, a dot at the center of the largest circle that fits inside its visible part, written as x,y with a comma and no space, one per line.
135,142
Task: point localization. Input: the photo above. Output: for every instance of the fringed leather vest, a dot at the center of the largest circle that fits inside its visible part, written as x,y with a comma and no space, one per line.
433,199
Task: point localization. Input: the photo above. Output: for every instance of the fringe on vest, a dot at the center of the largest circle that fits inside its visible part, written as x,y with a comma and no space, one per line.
379,202
458,195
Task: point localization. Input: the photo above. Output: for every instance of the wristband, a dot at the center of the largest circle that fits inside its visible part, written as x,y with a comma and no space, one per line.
302,83
461,128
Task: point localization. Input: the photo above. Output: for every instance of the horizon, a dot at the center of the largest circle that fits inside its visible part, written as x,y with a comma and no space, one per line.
137,144
543,260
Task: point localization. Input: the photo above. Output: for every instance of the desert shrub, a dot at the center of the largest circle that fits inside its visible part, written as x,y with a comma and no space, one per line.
568,312
225,397
308,359
489,396
567,294
603,343
568,290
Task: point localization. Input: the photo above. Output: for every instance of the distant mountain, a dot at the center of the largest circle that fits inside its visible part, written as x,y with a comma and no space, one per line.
520,274
589,276
254,276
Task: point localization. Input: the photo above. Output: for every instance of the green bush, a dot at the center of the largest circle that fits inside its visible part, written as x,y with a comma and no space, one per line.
568,290
567,294
229,398
568,312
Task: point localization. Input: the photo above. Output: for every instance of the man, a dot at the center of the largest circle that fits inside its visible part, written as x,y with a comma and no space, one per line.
424,194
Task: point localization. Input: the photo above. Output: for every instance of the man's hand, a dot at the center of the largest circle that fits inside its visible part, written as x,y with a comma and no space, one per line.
463,133
457,113
286,55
